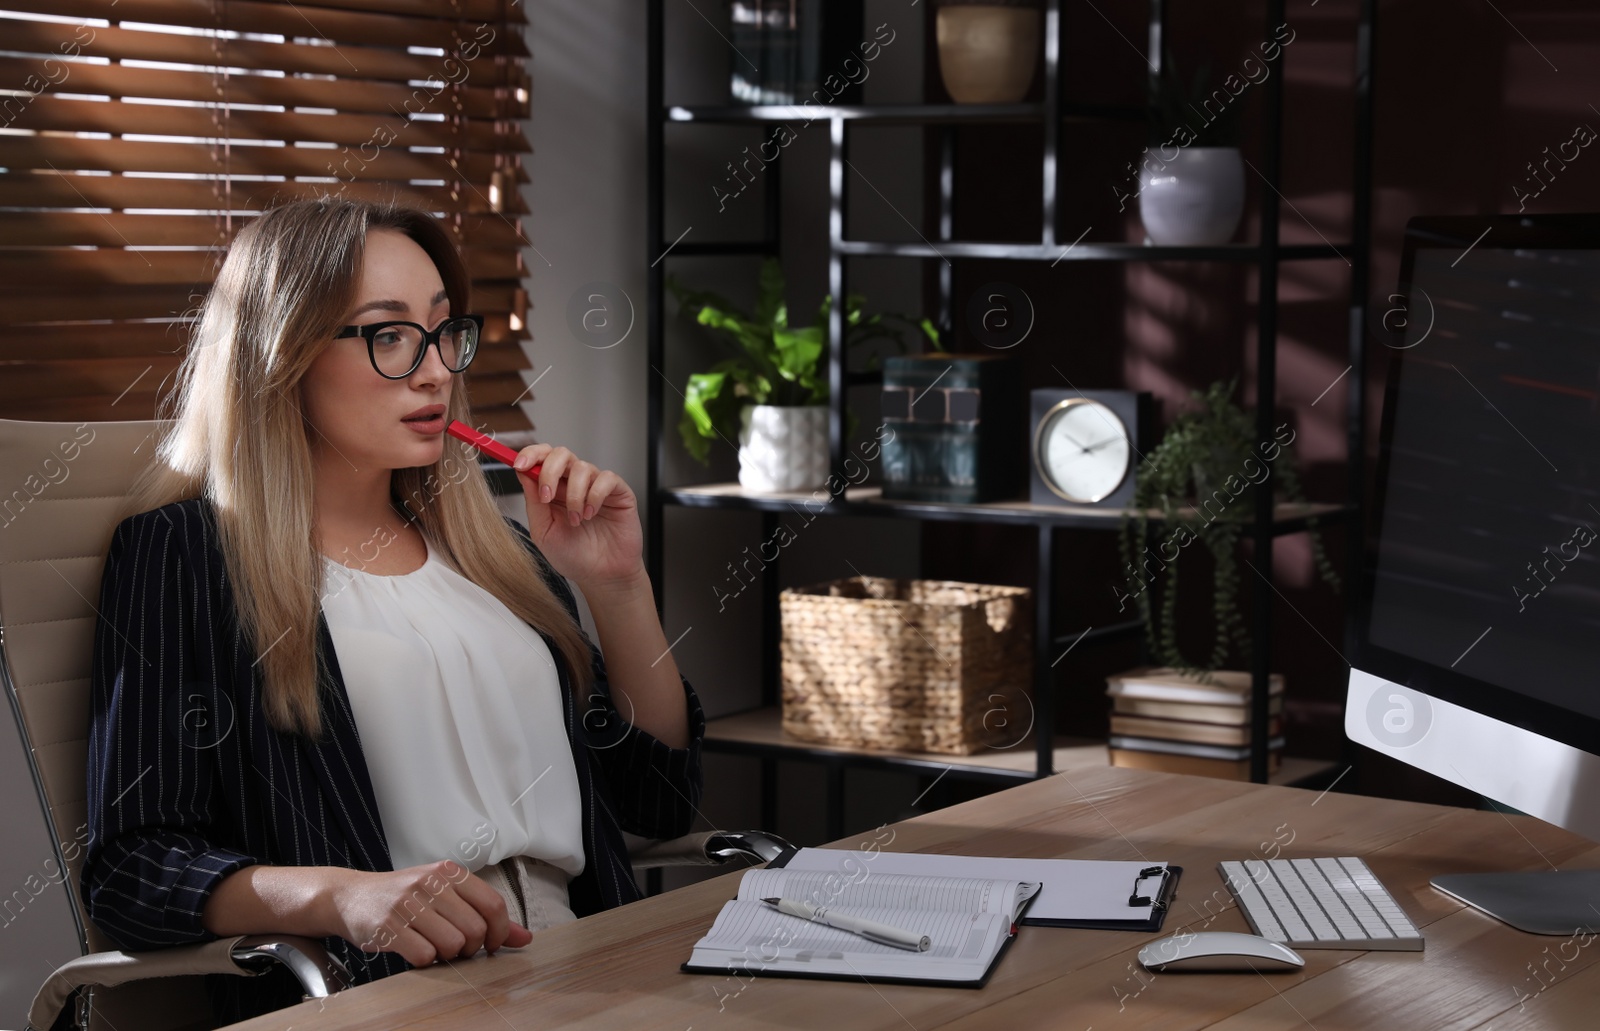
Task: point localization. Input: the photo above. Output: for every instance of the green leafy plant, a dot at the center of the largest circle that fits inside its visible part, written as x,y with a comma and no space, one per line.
1178,113
1184,477
770,362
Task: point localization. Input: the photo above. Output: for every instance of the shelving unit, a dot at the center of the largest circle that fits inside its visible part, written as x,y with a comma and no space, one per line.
755,733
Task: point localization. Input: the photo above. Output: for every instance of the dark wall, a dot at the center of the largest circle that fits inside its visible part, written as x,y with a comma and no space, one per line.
1465,101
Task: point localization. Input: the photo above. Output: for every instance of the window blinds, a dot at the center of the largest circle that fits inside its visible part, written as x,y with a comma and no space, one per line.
132,150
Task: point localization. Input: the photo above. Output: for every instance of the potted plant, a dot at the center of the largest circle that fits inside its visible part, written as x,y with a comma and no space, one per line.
1191,184
988,49
771,392
1203,477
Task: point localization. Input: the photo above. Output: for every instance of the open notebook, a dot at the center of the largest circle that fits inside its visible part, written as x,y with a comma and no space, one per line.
969,921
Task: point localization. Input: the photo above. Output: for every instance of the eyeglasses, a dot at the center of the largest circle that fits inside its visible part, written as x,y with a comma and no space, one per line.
397,348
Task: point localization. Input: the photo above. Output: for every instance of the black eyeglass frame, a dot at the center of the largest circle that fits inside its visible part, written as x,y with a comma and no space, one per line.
371,329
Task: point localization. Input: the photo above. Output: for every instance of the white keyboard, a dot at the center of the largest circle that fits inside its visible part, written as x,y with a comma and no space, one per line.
1320,904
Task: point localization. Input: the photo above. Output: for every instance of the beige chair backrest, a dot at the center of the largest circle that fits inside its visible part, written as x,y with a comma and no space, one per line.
62,488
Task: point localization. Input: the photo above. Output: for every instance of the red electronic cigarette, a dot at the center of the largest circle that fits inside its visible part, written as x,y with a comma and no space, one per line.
488,445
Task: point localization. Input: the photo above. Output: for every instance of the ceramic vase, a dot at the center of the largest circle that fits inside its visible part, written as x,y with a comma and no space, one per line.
988,52
1195,199
783,448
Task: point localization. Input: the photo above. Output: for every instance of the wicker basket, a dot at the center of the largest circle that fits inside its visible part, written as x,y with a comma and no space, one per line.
915,665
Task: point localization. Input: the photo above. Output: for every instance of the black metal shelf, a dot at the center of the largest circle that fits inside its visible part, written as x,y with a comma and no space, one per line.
868,501
1054,252
896,114
1051,252
1059,241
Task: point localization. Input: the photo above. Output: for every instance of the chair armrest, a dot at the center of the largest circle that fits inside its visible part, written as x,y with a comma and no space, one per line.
710,848
319,974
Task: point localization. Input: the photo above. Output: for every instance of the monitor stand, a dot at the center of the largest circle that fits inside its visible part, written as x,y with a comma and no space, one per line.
1556,902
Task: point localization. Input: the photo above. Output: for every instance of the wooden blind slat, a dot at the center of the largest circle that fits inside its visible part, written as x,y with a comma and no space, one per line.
111,376
63,152
306,21
489,263
67,341
363,134
507,357
500,419
355,95
28,269
475,10
49,190
494,296
494,389
72,341
160,301
80,228
115,229
130,302
61,407
490,410
512,12
47,38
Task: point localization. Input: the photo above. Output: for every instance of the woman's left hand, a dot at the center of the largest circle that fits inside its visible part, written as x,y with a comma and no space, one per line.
584,519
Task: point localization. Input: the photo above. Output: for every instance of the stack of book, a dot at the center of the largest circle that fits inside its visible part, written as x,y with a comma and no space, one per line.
1163,720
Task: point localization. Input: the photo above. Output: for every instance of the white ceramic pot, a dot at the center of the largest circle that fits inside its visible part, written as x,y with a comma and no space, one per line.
783,448
1195,200
987,53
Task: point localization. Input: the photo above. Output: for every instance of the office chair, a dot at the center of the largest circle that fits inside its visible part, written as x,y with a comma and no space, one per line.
61,491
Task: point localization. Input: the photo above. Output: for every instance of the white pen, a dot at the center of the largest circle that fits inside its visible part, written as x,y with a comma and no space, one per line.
869,929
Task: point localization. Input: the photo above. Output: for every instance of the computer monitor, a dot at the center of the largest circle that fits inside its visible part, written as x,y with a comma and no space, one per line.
1478,636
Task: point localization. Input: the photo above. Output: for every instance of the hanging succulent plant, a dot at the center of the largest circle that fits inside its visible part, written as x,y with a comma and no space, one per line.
1190,478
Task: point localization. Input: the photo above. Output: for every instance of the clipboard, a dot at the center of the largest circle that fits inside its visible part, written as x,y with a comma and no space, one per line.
1160,903
1104,888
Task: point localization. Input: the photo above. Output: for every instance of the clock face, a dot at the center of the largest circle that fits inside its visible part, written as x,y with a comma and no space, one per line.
1082,449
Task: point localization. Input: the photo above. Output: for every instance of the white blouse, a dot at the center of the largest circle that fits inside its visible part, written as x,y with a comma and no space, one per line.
458,706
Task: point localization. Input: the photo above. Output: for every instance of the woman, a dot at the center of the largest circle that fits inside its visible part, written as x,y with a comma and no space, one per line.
335,693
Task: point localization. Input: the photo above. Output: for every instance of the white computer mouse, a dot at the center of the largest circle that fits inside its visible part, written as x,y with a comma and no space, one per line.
1219,950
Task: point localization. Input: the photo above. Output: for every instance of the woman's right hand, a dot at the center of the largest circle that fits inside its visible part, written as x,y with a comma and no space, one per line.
424,913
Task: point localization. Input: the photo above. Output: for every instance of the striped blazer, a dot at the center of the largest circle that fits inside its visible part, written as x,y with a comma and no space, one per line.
187,782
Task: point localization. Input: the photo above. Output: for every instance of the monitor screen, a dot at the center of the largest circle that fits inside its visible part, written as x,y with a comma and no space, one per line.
1483,582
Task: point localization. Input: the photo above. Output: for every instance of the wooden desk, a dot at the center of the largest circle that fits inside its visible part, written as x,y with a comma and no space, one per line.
619,969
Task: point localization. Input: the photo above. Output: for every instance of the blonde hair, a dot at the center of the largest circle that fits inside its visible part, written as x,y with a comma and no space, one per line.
240,438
